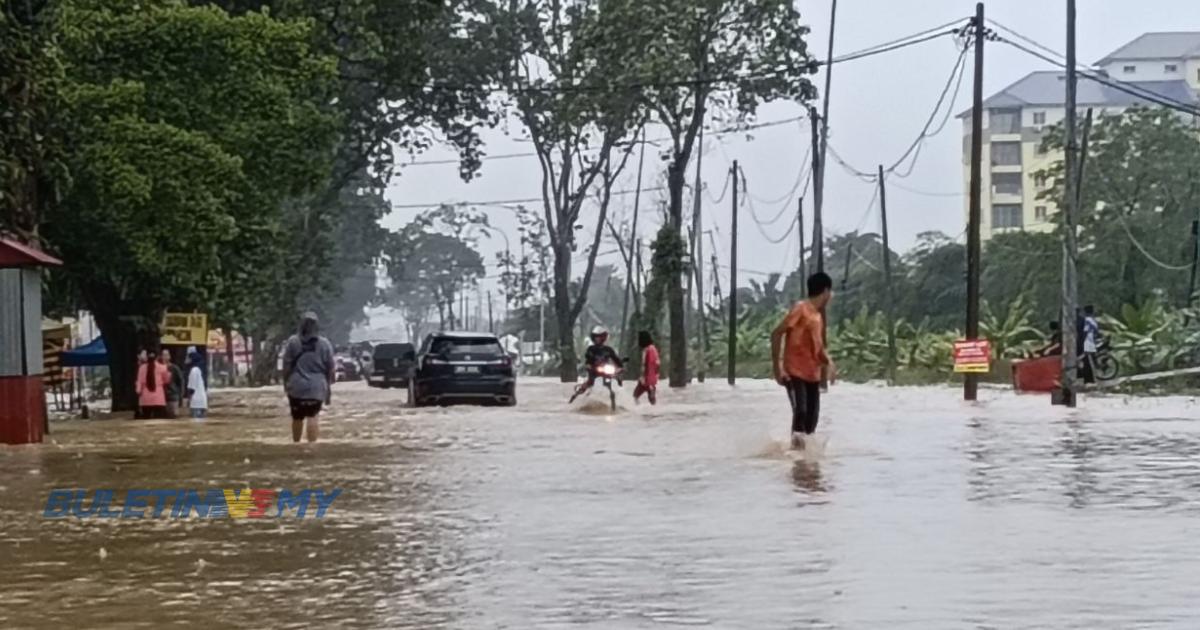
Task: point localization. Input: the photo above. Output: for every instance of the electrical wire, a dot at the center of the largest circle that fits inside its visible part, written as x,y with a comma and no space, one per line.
505,202
1127,88
1141,248
724,188
955,80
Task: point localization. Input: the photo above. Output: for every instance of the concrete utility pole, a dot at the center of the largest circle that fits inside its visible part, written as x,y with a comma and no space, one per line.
890,311
1070,285
733,243
971,381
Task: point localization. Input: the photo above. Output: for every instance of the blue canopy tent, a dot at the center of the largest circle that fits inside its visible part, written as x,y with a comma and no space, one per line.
94,354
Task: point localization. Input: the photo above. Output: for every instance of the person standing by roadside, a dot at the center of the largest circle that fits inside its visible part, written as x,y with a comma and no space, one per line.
139,413
197,393
648,382
174,389
1089,343
308,374
153,378
798,357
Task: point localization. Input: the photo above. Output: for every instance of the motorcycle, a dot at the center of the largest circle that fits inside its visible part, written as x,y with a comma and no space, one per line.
607,373
1104,364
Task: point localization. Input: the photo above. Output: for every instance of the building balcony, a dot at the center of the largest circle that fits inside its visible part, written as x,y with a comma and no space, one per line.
1006,168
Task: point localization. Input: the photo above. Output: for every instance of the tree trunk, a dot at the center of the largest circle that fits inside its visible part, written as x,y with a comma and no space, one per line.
230,356
678,368
562,313
123,337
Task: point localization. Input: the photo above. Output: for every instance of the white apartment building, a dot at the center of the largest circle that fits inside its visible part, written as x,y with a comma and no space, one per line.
1015,120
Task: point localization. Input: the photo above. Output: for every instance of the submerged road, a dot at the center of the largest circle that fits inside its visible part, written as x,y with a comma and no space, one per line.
922,512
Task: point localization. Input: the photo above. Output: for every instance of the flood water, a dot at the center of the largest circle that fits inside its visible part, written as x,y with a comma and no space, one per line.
922,512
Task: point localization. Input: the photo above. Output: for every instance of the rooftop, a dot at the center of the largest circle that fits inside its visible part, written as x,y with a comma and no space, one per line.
1049,88
1176,45
16,254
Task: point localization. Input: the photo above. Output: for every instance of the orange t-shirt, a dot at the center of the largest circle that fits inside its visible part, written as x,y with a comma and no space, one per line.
804,349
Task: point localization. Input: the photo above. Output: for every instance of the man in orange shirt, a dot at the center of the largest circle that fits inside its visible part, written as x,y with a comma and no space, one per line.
803,363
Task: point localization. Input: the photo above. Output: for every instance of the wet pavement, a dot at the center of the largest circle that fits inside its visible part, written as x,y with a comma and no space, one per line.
922,512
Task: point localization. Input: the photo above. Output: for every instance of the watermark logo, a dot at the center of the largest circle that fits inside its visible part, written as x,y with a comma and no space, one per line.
184,503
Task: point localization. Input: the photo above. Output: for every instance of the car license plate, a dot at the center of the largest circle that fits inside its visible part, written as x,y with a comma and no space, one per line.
466,369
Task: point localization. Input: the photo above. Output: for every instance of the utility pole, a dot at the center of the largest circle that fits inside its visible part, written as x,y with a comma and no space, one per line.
733,243
971,381
491,322
819,189
1195,258
800,229
846,270
633,241
889,312
1070,285
698,263
818,166
716,274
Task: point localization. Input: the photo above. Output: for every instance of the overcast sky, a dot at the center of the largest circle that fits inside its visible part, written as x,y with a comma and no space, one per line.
878,107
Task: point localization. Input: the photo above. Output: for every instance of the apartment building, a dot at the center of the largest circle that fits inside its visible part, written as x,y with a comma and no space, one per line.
1017,117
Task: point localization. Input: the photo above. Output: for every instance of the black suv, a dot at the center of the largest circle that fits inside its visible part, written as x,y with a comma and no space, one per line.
392,365
455,367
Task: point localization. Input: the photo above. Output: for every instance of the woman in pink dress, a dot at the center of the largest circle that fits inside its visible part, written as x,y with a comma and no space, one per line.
648,382
152,380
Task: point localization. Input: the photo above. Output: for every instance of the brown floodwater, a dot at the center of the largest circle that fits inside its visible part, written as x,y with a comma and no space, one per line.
921,512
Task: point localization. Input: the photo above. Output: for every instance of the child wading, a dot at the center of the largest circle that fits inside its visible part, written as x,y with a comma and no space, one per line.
648,382
803,363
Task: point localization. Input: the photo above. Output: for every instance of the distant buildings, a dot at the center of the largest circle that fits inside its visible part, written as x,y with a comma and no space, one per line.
1015,120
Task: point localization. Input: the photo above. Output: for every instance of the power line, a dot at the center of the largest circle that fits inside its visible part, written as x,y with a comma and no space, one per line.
505,202
1128,88
724,189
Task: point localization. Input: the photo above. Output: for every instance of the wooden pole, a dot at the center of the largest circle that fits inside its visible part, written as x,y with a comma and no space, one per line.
698,264
733,247
800,229
890,309
819,188
971,381
1069,283
633,242
818,237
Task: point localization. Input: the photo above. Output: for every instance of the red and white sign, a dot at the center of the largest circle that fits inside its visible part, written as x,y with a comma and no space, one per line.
972,356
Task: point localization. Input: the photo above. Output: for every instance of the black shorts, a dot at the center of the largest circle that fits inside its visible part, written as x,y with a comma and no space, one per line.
805,397
304,408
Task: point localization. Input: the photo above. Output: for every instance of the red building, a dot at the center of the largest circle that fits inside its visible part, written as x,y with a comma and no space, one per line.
22,401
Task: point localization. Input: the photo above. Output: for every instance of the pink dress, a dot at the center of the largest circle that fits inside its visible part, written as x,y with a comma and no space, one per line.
650,361
162,378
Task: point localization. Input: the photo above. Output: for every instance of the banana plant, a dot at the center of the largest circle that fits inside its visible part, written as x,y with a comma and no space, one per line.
1011,332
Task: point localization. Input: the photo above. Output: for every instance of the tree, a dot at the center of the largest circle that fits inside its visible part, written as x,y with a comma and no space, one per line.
430,268
187,130
31,170
1140,194
570,64
708,60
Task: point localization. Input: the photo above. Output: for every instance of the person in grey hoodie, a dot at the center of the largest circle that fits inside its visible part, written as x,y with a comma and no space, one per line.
308,375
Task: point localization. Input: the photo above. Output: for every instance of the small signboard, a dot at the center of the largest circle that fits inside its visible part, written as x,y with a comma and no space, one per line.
972,356
185,329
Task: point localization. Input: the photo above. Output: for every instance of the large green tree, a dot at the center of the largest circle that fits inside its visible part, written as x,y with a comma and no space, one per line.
1140,194
707,61
188,129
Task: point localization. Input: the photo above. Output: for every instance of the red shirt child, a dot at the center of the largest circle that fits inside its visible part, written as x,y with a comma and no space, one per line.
648,383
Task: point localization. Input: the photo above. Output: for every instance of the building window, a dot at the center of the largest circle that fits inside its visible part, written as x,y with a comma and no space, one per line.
1006,154
1006,216
1129,69
1170,68
1039,213
1006,184
1039,118
1005,121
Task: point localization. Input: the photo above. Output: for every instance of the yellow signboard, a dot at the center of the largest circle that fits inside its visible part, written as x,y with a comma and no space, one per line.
185,329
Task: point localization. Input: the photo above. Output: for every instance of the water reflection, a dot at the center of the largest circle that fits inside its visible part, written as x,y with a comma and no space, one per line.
920,513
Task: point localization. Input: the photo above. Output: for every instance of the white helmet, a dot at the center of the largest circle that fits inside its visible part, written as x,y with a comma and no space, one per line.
599,330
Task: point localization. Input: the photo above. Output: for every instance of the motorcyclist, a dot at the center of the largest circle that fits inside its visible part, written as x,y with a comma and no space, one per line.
596,355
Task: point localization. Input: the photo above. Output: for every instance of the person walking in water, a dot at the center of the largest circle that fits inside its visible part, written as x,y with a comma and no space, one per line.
197,393
648,381
174,384
153,379
798,357
308,373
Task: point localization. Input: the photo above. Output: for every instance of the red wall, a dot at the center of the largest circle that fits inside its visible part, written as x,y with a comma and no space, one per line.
22,409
